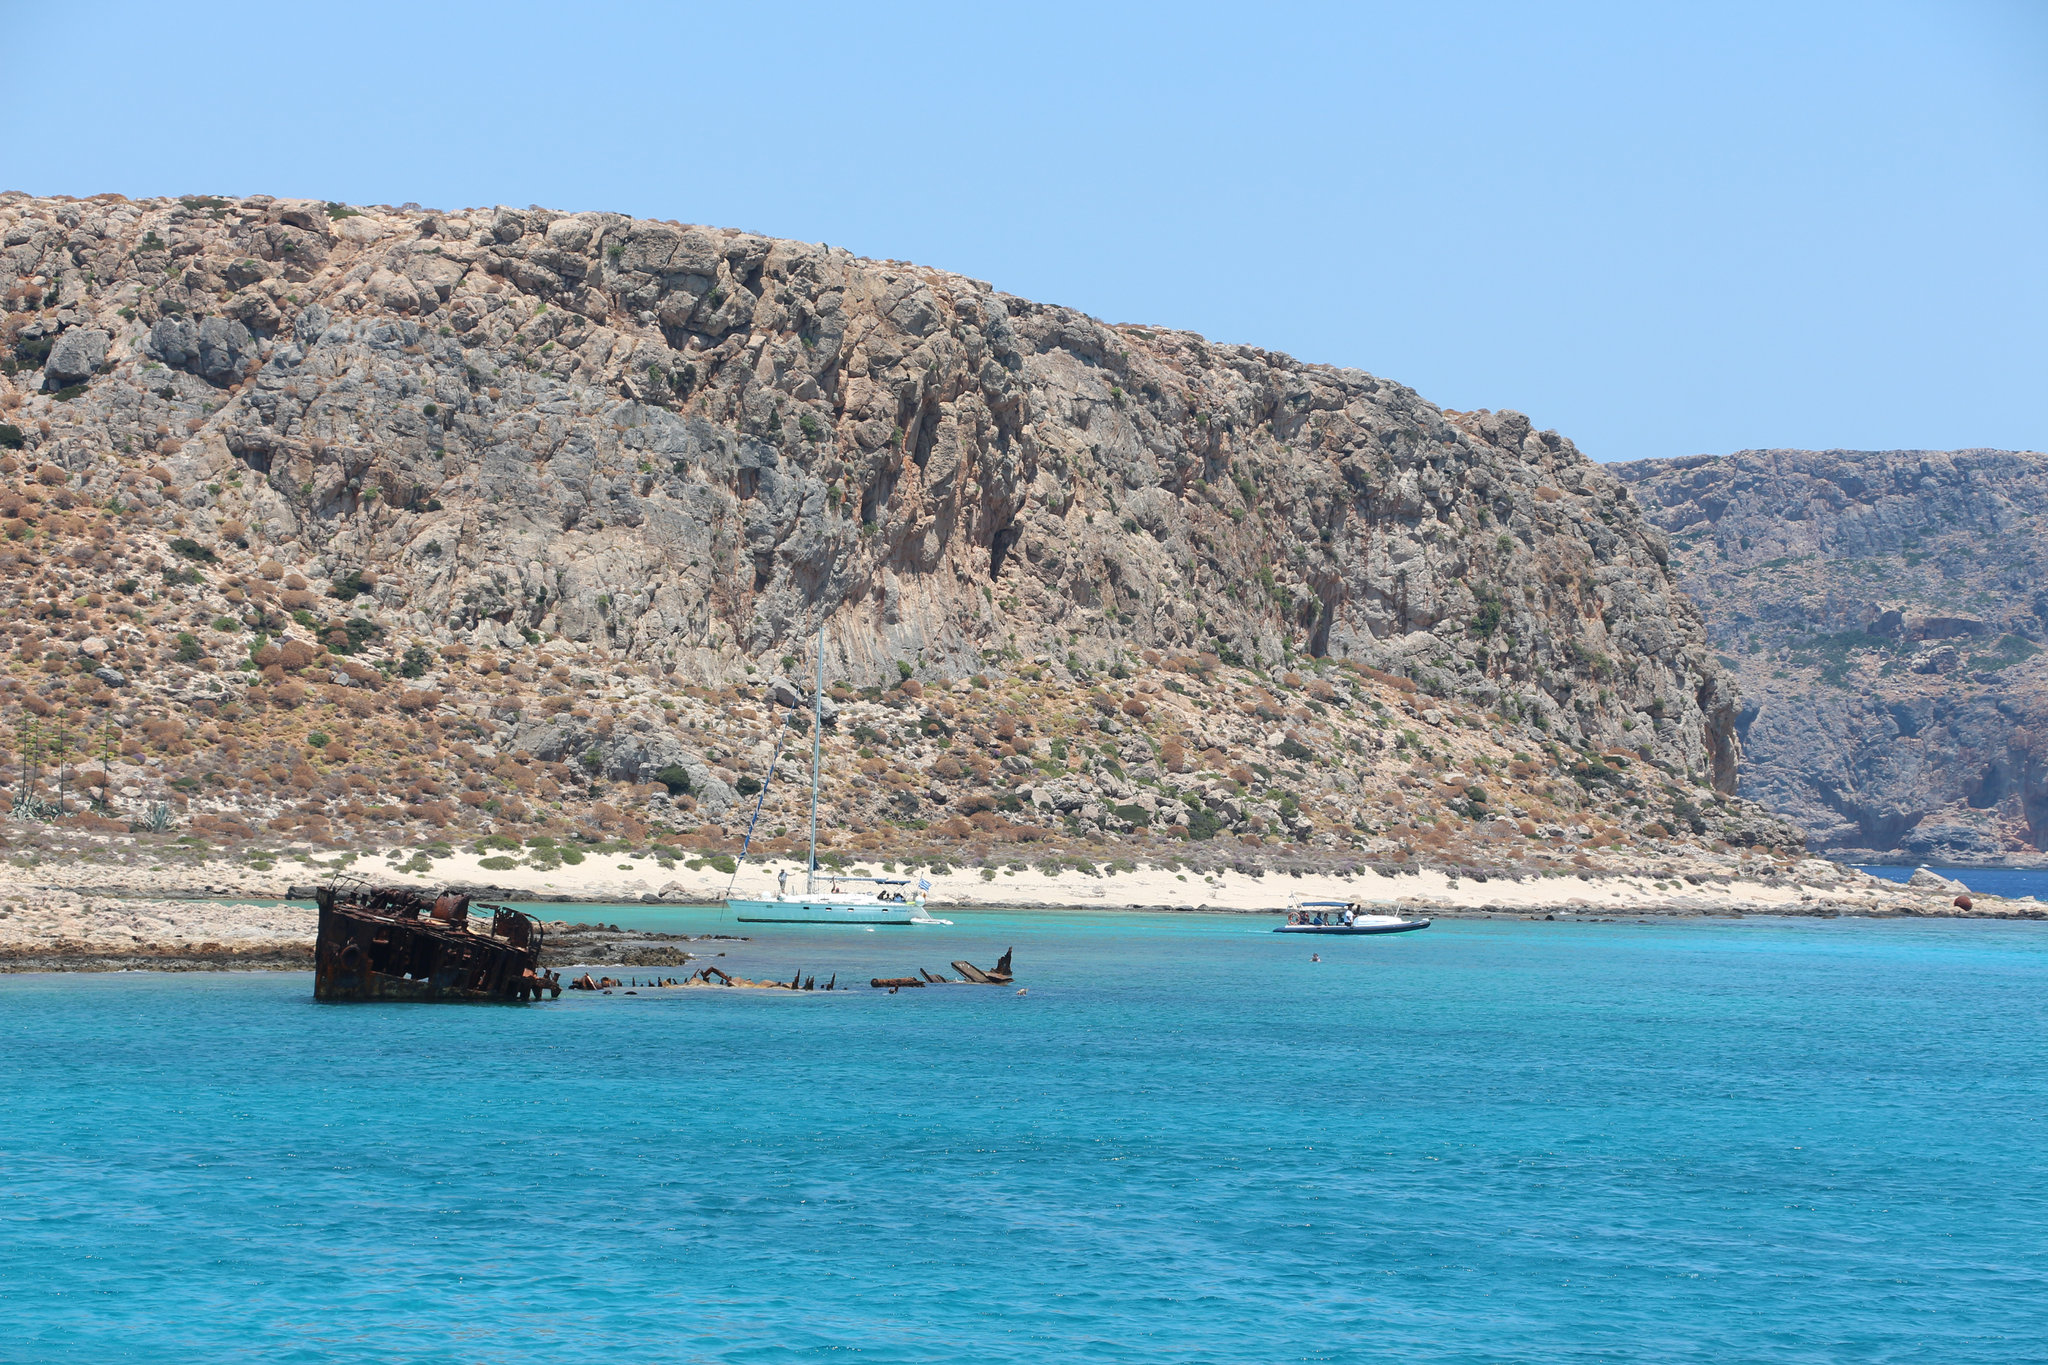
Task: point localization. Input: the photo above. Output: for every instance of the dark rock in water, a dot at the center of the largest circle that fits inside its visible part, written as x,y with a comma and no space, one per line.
506,893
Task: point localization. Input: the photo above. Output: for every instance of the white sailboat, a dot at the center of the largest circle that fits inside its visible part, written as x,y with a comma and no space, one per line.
888,902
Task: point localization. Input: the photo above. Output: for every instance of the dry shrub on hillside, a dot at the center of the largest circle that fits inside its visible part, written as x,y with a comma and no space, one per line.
508,770
355,701
162,731
1393,680
361,673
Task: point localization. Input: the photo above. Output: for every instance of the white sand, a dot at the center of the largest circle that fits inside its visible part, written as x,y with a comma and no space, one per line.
57,899
56,914
1809,885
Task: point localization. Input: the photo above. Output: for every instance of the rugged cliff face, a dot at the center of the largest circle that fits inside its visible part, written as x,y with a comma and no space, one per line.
681,449
1885,612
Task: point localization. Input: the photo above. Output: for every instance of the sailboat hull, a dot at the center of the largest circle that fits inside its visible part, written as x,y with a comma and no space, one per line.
835,906
813,911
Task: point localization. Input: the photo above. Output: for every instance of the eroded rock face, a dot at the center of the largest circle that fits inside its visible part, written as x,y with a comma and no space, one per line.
219,350
1885,611
76,354
690,444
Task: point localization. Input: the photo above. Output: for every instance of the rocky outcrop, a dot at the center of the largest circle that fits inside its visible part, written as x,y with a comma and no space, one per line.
504,445
1885,613
687,443
74,357
638,754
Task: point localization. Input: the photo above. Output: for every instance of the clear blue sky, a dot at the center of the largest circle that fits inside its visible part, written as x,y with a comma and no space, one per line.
1661,229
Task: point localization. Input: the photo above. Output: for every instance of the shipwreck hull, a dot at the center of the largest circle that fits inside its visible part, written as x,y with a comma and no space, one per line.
395,943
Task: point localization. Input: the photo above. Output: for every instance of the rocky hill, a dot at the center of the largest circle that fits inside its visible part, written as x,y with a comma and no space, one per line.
406,525
1885,612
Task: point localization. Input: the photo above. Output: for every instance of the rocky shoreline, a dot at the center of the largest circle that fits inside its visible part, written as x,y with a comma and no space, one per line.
195,936
1891,857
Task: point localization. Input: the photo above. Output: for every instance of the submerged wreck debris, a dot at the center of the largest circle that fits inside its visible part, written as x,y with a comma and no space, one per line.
718,976
400,943
608,984
998,975
970,975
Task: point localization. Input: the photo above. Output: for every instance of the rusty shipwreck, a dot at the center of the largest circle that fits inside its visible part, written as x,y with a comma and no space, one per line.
401,943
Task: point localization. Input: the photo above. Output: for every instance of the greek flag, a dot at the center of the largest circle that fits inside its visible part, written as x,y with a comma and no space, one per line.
923,885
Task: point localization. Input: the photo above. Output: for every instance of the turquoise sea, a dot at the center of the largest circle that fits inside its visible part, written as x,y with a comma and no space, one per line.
1773,1140
1989,881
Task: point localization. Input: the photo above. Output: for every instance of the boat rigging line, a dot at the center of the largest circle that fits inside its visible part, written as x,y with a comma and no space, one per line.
817,729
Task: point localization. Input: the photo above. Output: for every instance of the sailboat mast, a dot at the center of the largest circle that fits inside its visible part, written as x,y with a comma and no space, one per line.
817,729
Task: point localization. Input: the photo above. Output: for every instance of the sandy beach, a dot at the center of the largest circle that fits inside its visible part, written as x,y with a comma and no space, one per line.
82,914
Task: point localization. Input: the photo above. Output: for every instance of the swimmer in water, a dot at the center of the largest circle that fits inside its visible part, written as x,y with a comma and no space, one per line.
1315,957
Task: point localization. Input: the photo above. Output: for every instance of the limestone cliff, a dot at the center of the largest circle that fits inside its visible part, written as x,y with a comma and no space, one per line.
495,432
1885,613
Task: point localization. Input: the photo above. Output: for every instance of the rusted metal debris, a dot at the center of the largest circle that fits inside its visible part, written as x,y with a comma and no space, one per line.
608,984
718,976
400,943
998,975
